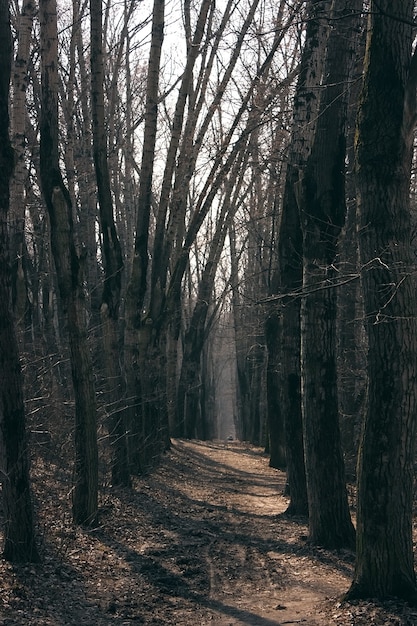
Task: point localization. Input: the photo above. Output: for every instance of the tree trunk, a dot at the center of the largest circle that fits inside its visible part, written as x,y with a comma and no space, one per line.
69,267
242,388
188,407
17,187
112,259
138,332
384,563
86,176
322,217
153,326
19,535
288,278
351,340
276,428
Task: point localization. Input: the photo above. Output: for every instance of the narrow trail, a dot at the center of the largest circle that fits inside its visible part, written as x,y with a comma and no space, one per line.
261,571
201,541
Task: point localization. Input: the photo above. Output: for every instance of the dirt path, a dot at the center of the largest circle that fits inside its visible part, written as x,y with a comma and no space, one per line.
199,542
261,571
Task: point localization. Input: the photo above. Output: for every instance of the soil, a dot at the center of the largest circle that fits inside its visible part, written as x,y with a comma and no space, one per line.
202,540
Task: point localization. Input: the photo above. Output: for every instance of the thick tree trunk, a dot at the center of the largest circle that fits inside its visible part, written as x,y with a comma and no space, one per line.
288,279
384,563
329,517
70,277
152,435
21,303
19,536
322,217
85,495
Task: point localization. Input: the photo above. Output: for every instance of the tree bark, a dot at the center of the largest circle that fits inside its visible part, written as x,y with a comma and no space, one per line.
140,341
69,267
288,278
112,259
19,535
17,187
323,211
86,175
384,562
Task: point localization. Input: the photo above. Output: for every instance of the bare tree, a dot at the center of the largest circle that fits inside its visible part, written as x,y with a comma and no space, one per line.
190,385
112,256
283,325
134,349
18,181
86,178
69,268
19,535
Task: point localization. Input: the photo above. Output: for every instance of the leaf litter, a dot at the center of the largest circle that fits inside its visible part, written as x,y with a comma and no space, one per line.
202,540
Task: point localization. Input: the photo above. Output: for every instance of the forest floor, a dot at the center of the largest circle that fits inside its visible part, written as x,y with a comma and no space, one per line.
202,540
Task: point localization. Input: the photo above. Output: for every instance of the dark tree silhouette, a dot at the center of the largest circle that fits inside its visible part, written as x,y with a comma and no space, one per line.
384,562
69,267
19,536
